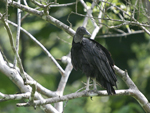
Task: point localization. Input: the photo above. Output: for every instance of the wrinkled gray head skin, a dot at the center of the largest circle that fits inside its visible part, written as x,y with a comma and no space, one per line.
79,34
82,31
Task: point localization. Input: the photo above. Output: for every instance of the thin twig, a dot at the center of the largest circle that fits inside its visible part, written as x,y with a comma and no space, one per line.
33,84
25,2
89,12
125,22
18,33
54,5
97,28
13,45
27,15
44,49
119,35
63,5
6,10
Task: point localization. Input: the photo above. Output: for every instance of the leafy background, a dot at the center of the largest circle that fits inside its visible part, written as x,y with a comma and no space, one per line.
131,52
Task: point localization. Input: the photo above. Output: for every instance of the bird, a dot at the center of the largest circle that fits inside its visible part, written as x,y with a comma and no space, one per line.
93,60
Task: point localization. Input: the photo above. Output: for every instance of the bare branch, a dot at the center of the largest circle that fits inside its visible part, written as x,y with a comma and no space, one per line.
89,93
45,50
14,75
18,33
132,91
33,84
89,12
38,4
134,8
25,2
4,97
65,27
41,14
9,32
125,23
125,77
63,81
135,91
63,5
120,35
52,4
7,9
97,28
13,47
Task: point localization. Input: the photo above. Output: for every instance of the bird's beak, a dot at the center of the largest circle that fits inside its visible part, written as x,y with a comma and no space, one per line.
87,33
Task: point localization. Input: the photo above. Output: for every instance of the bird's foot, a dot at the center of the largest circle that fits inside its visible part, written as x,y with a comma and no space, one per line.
87,88
94,85
87,84
95,90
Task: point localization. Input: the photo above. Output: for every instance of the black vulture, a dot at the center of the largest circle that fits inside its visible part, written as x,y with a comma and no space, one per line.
93,60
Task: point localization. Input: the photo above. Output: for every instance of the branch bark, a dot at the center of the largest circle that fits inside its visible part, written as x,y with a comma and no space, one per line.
42,15
132,91
135,92
14,75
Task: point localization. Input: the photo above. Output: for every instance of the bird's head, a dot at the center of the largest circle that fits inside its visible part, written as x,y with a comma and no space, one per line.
79,34
82,31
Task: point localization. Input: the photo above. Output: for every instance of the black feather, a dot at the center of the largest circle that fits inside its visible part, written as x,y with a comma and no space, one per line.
93,59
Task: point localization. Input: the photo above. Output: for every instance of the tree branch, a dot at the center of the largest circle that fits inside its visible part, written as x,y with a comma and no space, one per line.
85,93
42,15
14,75
18,33
4,97
41,89
120,35
125,22
44,49
134,90
89,12
13,46
63,81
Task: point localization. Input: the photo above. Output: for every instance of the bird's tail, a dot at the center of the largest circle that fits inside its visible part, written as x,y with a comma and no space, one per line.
110,89
105,84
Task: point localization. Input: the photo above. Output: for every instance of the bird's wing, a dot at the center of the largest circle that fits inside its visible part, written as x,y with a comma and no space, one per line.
73,60
99,57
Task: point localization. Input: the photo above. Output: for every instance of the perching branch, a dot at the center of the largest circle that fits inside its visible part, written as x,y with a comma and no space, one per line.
132,91
90,93
135,91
